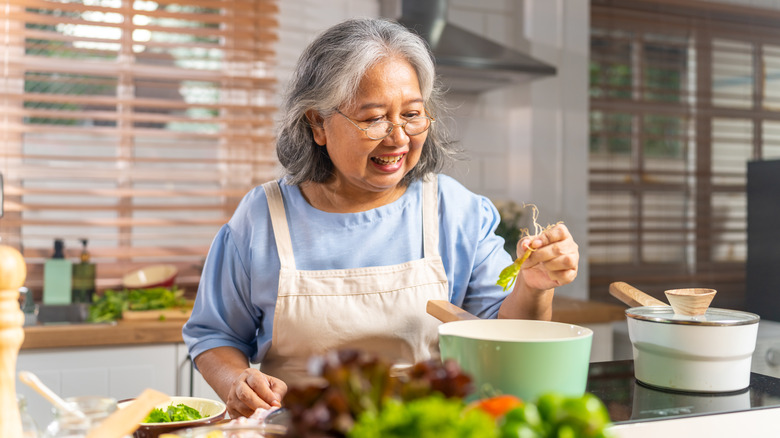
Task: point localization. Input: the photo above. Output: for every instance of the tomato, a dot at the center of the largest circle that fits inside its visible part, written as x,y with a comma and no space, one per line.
498,405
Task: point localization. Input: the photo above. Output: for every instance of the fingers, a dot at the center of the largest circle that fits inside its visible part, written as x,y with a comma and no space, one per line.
554,251
253,390
269,389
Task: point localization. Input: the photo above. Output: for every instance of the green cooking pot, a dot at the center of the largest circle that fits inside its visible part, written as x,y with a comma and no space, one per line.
524,358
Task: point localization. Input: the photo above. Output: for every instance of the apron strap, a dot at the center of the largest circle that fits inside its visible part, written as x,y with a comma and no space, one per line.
279,223
430,202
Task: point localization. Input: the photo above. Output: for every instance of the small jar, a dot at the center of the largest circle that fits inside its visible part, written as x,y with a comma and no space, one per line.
69,425
29,427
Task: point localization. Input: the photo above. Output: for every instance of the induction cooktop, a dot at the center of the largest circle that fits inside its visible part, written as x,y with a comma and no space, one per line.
629,400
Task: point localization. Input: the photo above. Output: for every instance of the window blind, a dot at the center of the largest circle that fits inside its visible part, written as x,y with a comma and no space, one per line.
683,95
135,124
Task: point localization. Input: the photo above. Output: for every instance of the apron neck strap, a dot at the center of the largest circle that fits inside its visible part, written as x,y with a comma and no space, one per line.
279,224
430,216
430,207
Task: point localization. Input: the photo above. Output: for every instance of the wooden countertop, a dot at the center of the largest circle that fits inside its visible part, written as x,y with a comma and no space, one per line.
93,335
569,310
574,311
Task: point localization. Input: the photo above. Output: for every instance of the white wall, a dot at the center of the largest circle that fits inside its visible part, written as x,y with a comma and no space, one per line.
525,142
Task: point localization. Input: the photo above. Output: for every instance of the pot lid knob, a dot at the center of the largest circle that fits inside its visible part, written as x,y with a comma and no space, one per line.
690,302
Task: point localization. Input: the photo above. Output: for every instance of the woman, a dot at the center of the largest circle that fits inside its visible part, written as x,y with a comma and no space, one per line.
347,248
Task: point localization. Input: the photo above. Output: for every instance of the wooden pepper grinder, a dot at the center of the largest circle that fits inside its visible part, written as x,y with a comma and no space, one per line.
13,272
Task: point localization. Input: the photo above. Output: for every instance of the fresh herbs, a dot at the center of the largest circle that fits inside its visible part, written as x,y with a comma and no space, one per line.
179,412
110,306
507,277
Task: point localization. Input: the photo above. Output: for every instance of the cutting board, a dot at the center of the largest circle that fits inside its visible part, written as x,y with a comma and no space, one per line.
157,315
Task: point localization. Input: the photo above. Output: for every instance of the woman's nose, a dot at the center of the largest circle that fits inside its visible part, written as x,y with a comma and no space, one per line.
398,135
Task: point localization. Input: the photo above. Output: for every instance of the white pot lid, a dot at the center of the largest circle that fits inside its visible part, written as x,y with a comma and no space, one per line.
713,316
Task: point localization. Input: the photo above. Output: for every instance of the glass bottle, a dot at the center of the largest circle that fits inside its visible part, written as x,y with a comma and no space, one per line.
29,427
69,425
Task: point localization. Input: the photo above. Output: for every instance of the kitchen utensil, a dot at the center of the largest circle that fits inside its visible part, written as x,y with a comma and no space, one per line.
710,352
212,411
35,383
691,302
126,419
445,311
525,358
95,410
633,296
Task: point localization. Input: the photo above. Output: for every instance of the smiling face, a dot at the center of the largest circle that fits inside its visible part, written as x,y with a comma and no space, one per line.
365,168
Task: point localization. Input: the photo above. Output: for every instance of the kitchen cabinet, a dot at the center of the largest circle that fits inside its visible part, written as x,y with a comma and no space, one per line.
120,371
190,381
119,360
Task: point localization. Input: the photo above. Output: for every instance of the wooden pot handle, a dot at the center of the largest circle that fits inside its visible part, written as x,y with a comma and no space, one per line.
445,311
632,296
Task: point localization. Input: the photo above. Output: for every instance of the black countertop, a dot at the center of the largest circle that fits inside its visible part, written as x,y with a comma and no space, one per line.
629,400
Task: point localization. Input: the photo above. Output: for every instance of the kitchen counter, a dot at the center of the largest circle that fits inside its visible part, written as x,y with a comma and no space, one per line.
92,335
574,311
639,410
565,309
755,423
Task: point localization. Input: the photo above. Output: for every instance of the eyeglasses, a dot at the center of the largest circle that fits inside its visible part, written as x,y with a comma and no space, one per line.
382,128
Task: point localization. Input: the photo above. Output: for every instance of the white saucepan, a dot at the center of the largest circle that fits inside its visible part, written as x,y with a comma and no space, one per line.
710,352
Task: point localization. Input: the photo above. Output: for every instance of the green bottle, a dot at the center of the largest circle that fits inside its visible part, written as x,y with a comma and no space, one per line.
83,277
57,274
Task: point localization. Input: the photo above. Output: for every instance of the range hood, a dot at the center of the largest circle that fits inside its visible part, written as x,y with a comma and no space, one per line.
466,62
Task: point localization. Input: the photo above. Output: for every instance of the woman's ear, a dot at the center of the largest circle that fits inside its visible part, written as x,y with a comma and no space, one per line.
317,127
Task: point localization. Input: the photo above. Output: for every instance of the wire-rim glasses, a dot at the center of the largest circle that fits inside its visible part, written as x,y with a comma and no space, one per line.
382,128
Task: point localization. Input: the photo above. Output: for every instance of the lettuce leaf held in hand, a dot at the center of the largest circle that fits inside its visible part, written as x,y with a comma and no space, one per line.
507,277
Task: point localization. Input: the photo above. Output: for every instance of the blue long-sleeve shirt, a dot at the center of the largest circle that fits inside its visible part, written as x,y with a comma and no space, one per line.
238,289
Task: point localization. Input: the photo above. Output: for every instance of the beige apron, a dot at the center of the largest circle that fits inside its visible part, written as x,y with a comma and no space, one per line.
377,309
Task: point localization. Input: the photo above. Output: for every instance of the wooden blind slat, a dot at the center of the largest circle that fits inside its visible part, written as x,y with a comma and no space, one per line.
145,120
107,69
233,106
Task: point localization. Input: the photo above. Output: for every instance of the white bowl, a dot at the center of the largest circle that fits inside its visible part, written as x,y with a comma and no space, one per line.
212,411
151,276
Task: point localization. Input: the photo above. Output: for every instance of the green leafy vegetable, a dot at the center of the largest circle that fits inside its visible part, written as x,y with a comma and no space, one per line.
557,416
508,275
428,417
179,412
157,416
110,306
357,383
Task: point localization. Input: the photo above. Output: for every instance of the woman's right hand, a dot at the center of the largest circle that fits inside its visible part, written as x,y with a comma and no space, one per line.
252,390
243,388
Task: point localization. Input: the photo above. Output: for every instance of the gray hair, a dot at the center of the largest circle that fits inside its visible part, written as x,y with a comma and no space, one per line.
328,75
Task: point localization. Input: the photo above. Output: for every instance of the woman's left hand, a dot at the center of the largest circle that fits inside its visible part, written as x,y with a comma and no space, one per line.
554,260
